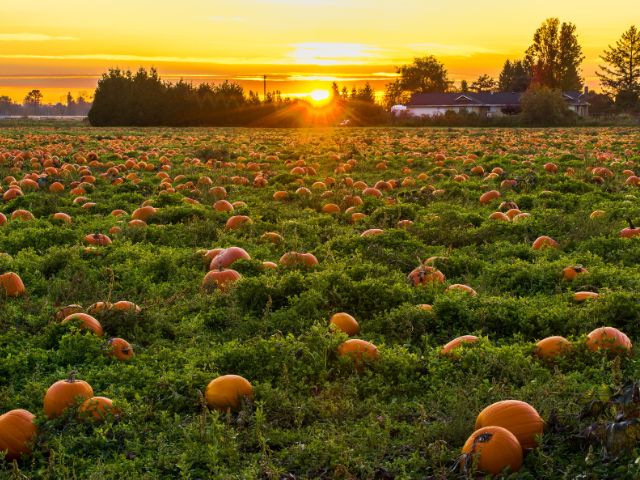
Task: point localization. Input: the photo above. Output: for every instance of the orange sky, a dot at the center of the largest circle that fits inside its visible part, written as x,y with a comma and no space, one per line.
301,44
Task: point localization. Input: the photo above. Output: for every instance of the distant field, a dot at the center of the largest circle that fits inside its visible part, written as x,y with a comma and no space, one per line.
314,413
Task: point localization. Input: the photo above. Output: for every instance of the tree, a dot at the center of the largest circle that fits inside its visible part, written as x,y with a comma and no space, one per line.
33,100
515,76
424,75
555,56
544,106
620,76
484,83
464,86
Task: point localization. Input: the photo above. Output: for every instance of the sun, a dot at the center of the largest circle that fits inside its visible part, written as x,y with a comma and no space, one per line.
319,97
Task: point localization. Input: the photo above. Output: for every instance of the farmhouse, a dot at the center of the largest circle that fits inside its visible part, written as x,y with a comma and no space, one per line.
488,104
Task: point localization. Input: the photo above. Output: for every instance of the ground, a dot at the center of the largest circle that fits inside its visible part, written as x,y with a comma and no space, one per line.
315,414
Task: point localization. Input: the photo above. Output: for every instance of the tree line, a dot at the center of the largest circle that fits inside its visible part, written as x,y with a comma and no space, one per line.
32,105
551,62
142,98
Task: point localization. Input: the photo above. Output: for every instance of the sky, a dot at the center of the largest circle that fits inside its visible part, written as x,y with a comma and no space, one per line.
301,45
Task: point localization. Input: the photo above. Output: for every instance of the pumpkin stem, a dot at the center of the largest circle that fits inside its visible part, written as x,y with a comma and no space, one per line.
72,376
631,225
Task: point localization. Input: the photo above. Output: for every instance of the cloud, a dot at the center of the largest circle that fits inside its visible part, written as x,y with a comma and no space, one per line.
227,18
334,53
33,37
451,49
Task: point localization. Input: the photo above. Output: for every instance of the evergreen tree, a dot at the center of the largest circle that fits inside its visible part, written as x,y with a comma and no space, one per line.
620,75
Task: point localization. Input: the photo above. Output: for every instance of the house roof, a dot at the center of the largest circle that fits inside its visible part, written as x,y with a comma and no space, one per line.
482,98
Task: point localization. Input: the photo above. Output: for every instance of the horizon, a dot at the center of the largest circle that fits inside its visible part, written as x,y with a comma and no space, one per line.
304,45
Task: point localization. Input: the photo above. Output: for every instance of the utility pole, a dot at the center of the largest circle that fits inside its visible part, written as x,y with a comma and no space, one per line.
265,87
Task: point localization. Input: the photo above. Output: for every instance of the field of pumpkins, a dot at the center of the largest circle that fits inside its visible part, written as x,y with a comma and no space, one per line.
378,303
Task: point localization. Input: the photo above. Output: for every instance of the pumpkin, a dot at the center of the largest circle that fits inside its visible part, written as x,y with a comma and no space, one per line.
97,409
426,307
223,206
63,217
291,259
359,351
456,342
97,239
3,219
608,338
629,232
372,232
550,347
597,214
126,306
458,287
330,208
570,273
22,215
144,213
68,310
425,275
544,242
17,432
280,195
12,284
404,224
551,167
357,216
228,256
86,322
500,216
237,221
63,394
345,323
98,307
489,196
269,265
518,417
120,349
226,392
272,237
220,279
216,192
495,448
582,296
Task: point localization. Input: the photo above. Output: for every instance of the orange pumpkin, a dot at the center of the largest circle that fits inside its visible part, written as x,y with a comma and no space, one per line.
223,206
63,217
345,323
272,237
86,322
97,409
12,284
489,196
608,338
220,279
98,307
226,392
456,342
425,275
372,232
359,351
68,310
500,216
458,287
582,296
97,239
570,273
126,306
544,242
237,221
17,432
228,256
291,259
63,394
496,449
144,213
120,349
550,347
518,417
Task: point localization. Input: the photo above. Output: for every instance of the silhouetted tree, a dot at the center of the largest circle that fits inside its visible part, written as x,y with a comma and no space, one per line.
424,75
515,76
620,75
464,86
484,83
555,56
